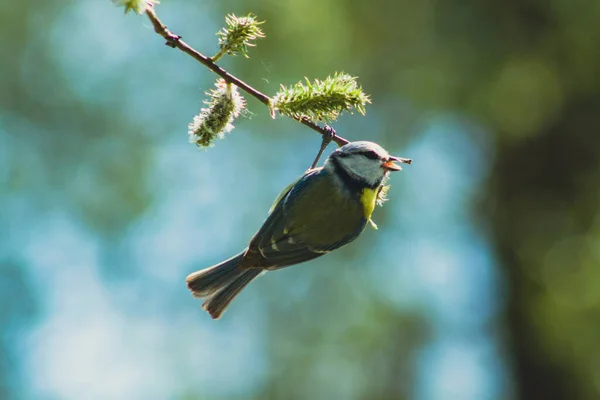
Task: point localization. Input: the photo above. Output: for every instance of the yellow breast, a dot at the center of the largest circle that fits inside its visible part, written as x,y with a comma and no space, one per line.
368,198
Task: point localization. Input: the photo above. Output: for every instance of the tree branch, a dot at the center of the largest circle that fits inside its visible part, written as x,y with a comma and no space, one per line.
175,41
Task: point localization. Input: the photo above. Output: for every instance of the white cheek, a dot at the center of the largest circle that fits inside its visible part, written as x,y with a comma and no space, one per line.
365,168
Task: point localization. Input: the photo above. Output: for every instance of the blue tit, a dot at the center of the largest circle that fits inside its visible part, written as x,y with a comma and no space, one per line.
325,209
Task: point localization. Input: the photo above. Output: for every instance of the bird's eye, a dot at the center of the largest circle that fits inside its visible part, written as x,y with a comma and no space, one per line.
371,155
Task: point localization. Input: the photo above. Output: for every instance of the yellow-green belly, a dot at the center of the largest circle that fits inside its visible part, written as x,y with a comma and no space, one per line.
368,199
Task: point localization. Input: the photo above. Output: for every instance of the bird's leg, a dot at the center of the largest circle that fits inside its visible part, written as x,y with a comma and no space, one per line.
328,135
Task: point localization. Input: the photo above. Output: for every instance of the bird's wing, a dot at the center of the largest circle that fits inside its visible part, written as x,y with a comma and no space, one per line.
299,227
287,189
274,244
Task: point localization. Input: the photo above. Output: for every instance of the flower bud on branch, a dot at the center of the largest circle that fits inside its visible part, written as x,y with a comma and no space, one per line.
238,35
137,6
224,106
321,100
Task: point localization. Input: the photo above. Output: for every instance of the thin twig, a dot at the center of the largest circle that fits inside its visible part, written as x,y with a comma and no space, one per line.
327,138
176,42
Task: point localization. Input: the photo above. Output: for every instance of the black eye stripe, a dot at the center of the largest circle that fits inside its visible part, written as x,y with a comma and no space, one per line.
371,155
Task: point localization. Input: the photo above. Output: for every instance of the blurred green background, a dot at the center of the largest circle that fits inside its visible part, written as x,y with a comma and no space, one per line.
482,282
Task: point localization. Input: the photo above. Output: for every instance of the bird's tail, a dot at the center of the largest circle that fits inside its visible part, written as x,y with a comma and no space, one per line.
219,284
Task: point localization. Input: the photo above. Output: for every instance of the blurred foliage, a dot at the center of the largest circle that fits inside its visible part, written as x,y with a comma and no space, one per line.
526,70
543,205
15,317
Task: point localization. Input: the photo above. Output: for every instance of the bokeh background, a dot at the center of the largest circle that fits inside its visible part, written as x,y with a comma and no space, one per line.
482,282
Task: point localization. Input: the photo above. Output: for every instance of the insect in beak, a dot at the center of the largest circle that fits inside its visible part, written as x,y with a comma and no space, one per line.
389,164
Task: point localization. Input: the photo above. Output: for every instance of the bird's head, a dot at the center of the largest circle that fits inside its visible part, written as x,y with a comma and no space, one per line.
365,161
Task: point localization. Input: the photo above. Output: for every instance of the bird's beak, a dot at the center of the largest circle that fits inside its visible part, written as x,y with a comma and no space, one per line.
389,165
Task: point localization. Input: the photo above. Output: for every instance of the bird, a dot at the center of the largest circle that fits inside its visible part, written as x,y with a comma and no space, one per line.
323,210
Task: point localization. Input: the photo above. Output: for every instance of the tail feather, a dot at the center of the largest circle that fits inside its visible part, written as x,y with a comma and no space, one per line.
220,283
216,303
206,281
